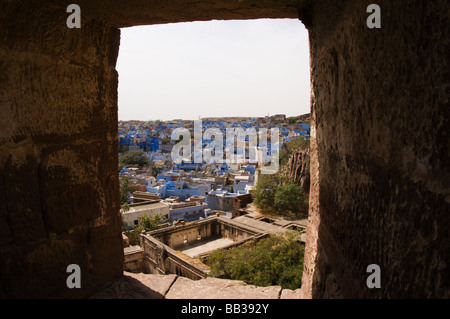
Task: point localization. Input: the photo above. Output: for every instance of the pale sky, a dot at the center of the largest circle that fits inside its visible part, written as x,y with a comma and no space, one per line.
216,68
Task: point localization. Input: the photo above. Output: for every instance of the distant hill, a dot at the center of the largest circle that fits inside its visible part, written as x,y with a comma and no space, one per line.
303,118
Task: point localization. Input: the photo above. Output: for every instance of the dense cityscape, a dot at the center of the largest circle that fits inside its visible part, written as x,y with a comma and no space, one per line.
195,211
214,185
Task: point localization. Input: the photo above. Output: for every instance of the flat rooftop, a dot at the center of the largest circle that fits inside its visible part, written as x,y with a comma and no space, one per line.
204,246
140,208
132,249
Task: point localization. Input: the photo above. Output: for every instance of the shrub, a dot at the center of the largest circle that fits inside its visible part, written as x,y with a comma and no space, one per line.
134,158
124,184
279,194
275,260
288,197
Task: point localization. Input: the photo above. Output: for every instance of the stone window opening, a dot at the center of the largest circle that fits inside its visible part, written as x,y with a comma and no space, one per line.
278,109
379,169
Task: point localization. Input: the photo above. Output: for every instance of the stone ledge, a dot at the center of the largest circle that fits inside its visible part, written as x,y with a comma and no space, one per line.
138,286
290,294
149,286
215,288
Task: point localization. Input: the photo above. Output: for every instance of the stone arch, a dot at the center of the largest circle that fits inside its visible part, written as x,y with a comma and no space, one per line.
380,168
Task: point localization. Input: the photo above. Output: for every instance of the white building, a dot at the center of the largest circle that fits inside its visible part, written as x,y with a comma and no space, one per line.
187,210
241,182
131,217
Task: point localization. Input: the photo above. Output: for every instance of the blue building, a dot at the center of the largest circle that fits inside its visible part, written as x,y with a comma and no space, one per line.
250,168
305,126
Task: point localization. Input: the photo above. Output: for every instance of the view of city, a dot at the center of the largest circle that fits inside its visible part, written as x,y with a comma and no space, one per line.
203,189
160,195
206,151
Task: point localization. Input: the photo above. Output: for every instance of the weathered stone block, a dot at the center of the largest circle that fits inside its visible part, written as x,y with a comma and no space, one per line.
215,288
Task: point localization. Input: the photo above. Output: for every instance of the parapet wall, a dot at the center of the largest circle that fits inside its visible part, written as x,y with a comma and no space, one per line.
191,232
133,259
162,259
160,246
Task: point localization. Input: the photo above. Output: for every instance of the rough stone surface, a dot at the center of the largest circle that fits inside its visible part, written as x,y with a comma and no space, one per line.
138,286
150,286
58,152
298,168
140,12
380,163
290,294
380,181
214,288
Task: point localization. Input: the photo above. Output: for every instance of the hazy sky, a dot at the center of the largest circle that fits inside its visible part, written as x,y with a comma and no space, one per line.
215,68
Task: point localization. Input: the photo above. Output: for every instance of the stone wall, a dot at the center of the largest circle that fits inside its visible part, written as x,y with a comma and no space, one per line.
236,231
190,232
212,227
59,186
240,201
298,168
380,165
380,186
155,254
134,259
162,259
220,202
161,247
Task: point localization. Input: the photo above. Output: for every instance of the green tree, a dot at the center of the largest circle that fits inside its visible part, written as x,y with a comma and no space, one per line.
165,141
147,223
277,193
123,148
288,197
124,184
275,260
155,170
264,191
136,157
133,235
150,223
